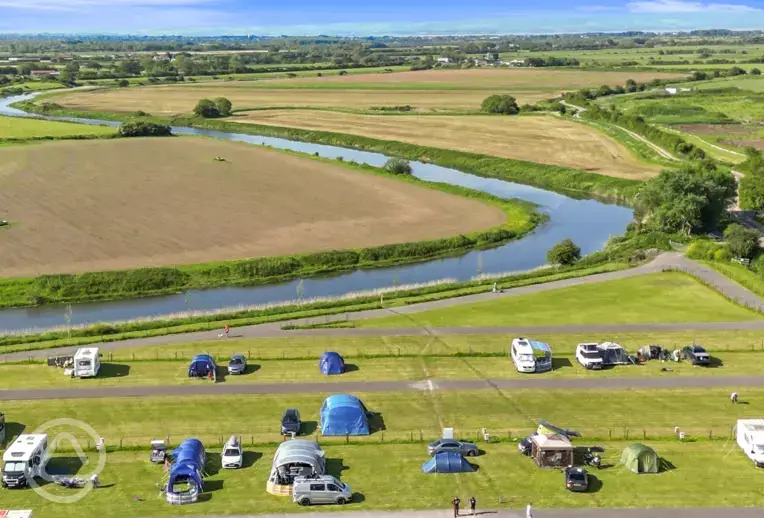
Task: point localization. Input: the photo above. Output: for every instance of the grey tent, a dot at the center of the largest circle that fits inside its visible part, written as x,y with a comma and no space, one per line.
447,462
295,458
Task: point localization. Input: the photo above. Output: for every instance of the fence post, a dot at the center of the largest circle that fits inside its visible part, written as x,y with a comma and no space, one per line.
710,434
644,434
176,355
347,439
382,436
421,437
120,443
133,356
610,433
411,436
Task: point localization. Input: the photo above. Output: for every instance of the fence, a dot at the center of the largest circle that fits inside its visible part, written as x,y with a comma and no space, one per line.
273,437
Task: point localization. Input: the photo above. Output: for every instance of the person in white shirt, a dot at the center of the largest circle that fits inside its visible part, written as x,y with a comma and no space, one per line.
528,511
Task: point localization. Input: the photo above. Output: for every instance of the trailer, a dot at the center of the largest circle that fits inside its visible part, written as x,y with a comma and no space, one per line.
87,362
750,438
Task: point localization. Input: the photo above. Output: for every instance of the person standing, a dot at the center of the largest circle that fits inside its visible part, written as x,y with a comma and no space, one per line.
528,513
733,397
473,504
227,330
455,502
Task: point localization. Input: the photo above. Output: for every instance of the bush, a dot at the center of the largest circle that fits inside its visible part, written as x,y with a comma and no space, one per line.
704,250
742,242
144,129
755,72
207,109
564,253
123,83
722,255
504,104
141,113
224,106
398,166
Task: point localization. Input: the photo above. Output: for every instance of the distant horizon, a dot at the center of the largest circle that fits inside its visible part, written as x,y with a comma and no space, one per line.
348,18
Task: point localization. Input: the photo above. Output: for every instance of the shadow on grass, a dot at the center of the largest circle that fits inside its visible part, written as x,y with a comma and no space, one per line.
666,466
335,467
351,367
308,427
595,484
13,430
376,422
214,464
251,368
715,363
221,373
113,370
561,363
250,457
358,498
212,485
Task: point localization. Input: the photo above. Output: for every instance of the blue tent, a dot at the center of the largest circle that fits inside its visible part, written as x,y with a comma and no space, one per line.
187,468
343,415
331,363
201,366
447,462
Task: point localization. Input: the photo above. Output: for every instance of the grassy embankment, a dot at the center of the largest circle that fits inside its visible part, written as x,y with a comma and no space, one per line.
662,297
19,130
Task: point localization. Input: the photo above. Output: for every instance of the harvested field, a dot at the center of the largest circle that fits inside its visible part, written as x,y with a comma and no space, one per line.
758,144
545,139
425,90
180,100
719,129
116,204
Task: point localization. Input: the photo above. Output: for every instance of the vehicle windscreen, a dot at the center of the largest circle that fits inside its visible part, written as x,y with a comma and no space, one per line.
236,361
13,467
231,453
577,477
698,349
290,418
84,363
590,355
526,358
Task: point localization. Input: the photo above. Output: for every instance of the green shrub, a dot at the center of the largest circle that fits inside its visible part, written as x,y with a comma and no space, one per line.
722,255
144,129
398,166
503,104
207,109
223,106
331,259
104,284
703,250
564,253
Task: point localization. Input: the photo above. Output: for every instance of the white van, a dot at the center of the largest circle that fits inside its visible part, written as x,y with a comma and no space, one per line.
24,460
530,355
750,438
322,489
87,362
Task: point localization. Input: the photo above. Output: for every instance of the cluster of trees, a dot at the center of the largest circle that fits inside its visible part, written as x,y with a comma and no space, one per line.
752,184
210,109
552,62
398,166
688,200
564,253
144,129
637,124
503,104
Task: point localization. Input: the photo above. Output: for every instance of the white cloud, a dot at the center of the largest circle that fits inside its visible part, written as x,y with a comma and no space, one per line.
682,6
76,5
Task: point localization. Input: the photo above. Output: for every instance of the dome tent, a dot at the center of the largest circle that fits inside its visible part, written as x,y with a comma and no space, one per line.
331,363
640,459
342,414
201,366
447,462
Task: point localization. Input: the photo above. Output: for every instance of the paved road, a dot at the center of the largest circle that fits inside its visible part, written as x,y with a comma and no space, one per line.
664,262
538,383
537,513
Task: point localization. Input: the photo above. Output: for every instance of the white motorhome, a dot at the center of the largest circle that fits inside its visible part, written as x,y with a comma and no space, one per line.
24,460
530,355
750,438
87,362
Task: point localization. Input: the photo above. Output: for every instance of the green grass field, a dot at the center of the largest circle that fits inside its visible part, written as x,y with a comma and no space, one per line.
693,107
663,297
383,476
19,129
751,83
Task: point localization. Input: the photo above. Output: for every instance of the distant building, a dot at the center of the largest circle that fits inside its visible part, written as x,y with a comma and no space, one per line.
517,63
44,73
162,57
671,91
444,60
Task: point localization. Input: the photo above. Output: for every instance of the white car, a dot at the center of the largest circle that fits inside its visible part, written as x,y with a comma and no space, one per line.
233,454
589,356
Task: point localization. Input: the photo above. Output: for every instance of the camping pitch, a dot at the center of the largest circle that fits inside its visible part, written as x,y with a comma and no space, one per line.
640,459
202,366
331,363
447,462
344,415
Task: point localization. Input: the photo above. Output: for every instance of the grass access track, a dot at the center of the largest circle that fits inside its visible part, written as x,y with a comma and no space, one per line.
520,219
566,180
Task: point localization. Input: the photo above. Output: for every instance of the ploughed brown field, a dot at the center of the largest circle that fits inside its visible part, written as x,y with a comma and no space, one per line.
545,139
424,90
126,203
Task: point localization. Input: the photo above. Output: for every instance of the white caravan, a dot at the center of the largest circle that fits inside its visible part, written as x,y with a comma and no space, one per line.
87,362
531,356
24,460
750,438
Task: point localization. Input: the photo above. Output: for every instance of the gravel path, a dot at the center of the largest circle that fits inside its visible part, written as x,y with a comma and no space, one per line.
531,382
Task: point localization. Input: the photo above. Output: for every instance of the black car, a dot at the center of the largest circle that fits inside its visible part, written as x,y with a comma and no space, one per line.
696,355
576,479
290,422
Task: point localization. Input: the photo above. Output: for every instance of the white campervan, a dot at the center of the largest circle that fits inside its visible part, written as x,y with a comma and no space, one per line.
87,362
530,355
750,438
24,460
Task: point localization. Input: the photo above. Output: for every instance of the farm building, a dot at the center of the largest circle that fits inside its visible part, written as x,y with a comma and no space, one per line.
331,363
342,414
294,458
447,462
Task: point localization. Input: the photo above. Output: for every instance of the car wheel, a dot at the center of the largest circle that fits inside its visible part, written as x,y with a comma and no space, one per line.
305,502
472,453
340,501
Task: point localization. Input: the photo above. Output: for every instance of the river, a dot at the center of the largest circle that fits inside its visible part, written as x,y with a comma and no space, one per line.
588,222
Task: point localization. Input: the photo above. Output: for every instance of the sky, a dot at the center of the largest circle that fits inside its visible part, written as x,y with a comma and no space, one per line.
373,18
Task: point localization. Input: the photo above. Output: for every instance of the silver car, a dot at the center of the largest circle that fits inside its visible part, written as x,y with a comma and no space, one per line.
324,489
465,448
238,364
